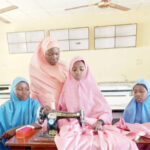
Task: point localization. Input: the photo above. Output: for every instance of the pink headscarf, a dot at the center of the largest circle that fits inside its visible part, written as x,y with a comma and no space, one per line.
49,43
84,94
46,80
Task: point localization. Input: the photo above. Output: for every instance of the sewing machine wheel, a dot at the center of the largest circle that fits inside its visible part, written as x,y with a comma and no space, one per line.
49,134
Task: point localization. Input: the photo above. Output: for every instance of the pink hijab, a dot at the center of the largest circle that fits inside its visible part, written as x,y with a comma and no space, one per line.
46,80
84,94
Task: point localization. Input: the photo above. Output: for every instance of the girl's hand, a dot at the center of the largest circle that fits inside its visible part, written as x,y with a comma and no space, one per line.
98,125
9,133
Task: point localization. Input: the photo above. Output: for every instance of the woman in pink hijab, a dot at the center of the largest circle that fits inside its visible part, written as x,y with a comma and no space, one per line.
47,72
80,91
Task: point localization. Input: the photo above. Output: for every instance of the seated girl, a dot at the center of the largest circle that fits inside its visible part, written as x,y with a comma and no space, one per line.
80,91
19,110
138,110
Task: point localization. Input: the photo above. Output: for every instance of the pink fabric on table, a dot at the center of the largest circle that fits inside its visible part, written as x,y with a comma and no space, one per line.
46,80
73,137
131,130
84,94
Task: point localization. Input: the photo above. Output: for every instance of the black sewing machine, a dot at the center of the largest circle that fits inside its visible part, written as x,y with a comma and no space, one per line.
53,116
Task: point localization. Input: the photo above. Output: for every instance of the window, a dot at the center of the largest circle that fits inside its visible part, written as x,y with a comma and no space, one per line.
117,36
72,39
22,42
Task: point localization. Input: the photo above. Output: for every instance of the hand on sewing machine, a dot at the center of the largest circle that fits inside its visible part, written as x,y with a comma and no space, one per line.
47,108
98,125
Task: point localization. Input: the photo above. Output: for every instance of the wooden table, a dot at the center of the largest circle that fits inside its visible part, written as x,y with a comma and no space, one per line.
33,142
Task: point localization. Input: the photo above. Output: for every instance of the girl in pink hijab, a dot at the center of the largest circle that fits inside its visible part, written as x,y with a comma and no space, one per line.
47,72
80,91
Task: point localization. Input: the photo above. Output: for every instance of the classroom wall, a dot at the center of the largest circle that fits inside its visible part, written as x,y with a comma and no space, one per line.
107,65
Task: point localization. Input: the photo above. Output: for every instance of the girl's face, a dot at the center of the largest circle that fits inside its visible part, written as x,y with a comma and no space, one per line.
78,70
52,55
140,93
22,90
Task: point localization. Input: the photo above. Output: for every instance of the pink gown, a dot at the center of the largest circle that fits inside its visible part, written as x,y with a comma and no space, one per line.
86,95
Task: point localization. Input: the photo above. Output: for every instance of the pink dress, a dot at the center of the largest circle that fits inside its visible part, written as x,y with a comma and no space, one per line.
86,95
46,80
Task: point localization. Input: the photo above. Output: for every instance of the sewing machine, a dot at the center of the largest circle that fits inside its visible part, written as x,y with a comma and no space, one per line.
53,116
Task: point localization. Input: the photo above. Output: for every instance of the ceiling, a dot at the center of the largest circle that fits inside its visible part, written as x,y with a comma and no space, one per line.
45,8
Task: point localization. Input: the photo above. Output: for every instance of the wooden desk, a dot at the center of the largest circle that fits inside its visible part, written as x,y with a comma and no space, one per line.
143,140
38,143
33,142
143,143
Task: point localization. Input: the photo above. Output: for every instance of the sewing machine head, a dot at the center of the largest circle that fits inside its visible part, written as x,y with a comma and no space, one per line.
53,116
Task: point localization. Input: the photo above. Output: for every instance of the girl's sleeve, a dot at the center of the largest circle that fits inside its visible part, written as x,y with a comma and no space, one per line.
62,107
106,112
36,105
61,103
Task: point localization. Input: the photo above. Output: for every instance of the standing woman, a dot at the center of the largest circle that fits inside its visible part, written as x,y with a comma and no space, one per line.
47,72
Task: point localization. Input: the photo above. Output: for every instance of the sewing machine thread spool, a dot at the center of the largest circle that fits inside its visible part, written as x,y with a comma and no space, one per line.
52,103
82,118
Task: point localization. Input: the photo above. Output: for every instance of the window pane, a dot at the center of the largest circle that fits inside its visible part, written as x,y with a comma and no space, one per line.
16,37
34,36
104,43
78,33
108,31
79,44
125,30
129,41
31,47
59,34
64,45
17,48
